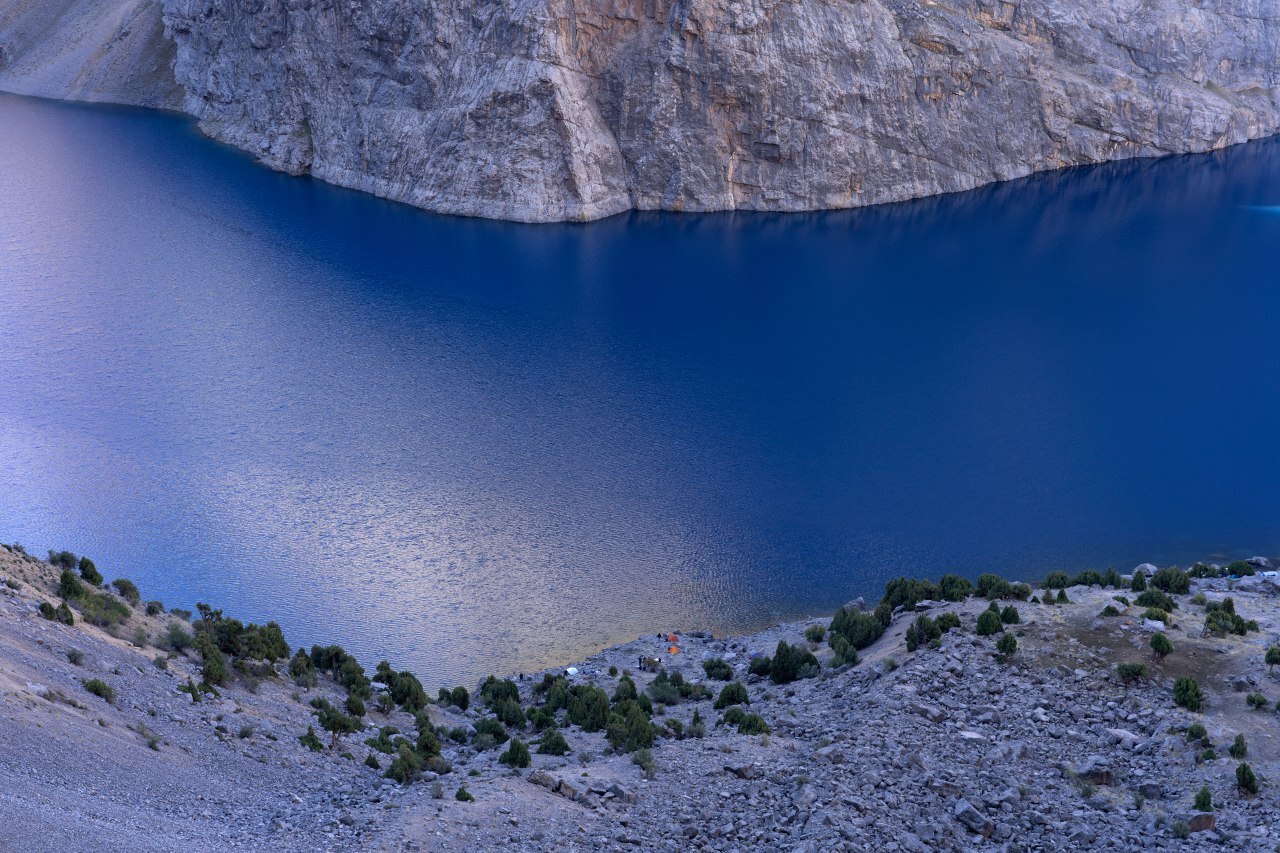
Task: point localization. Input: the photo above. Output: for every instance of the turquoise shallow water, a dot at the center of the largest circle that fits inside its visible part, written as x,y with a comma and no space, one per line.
472,446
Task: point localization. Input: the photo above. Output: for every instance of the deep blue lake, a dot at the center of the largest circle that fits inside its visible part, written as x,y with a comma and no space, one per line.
471,446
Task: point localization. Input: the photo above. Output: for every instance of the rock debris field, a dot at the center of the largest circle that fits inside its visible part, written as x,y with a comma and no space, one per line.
992,734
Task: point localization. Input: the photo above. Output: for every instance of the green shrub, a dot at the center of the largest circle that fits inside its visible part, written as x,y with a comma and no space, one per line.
1256,701
214,664
371,761
907,592
663,690
310,741
517,754
988,624
954,588
46,610
351,676
1172,579
1186,693
1241,569
406,766
588,707
128,591
382,742
1010,616
733,693
992,586
845,653
155,608
493,692
428,743
103,610
720,670
1007,645
643,759
629,728
1109,612
760,666
407,691
69,586
883,614
923,630
1160,645
625,690
1057,580
176,638
1139,582
493,728
1157,599
1273,657
355,707
1122,600
301,669
1131,673
1180,829
1246,781
463,796
815,633
752,724
100,688
1113,579
792,662
697,726
1238,749
947,621
1018,592
553,743
75,656
1221,619
336,723
1062,597
511,714
1088,577
460,697
1204,800
542,718
860,629
89,571
1156,615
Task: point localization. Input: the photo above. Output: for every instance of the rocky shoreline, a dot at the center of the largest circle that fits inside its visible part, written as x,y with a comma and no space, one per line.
959,727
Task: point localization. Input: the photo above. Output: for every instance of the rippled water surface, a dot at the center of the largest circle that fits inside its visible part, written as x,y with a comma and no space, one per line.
472,446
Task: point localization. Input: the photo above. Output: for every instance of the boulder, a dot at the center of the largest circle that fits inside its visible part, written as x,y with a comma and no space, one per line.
623,793
544,779
976,821
1202,821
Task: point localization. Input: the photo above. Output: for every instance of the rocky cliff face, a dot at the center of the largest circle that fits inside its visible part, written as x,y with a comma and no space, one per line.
575,109
88,50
